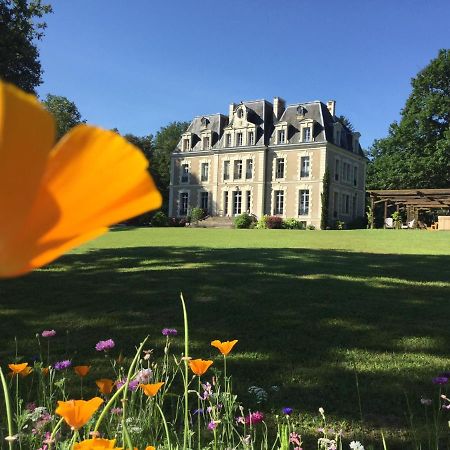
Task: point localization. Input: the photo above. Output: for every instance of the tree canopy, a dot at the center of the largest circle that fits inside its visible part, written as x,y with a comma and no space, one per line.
65,112
19,30
416,152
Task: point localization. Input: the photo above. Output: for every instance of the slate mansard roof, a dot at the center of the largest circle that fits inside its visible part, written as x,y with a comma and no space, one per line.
261,114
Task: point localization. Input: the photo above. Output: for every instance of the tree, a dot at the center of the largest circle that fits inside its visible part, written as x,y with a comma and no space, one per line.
346,122
166,140
19,56
145,143
65,112
325,198
416,152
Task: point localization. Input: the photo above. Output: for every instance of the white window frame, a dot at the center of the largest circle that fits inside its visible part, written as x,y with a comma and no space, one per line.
180,203
301,207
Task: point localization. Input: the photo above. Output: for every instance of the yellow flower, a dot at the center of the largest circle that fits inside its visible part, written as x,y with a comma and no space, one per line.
82,371
77,413
105,385
224,347
199,366
96,444
18,368
150,390
150,447
53,198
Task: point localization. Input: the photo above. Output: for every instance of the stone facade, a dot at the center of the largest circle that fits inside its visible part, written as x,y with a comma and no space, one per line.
268,158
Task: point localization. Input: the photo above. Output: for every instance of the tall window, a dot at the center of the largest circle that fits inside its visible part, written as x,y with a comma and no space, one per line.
240,139
251,138
184,202
304,166
226,170
354,205
204,201
281,136
225,203
238,169
346,203
206,143
228,140
205,171
249,169
355,176
237,202
336,170
307,134
279,170
335,204
184,173
186,144
279,202
303,202
248,203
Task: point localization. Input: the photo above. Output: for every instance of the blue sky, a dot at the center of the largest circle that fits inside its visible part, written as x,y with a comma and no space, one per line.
139,64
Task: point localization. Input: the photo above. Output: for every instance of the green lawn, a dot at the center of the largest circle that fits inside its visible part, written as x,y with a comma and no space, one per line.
308,307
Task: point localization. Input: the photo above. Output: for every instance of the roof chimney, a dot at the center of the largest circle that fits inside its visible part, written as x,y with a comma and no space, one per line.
278,107
231,111
331,105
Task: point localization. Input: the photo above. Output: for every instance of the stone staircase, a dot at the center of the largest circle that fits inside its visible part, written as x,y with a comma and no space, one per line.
215,222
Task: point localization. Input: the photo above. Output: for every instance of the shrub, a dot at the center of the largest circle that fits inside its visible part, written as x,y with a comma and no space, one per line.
160,220
310,227
262,223
197,214
243,221
274,222
177,222
293,224
339,225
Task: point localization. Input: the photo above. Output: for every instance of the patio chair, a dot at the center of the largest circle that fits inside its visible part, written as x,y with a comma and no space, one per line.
389,223
409,224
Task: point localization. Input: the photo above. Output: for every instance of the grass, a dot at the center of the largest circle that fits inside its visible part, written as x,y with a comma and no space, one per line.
310,309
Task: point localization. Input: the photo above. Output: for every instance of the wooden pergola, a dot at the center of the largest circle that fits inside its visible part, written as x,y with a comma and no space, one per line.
413,200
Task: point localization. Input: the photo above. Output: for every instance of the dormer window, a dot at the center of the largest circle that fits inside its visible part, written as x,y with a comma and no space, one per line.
251,138
206,143
228,140
338,138
186,144
301,111
307,134
204,121
281,136
240,113
240,139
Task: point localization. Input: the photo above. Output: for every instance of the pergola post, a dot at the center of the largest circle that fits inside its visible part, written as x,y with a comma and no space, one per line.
372,207
385,214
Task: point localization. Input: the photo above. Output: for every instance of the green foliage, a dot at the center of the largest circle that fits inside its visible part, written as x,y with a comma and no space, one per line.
244,220
144,143
19,56
325,197
261,224
416,152
310,227
293,224
165,141
160,220
397,218
346,122
339,225
197,214
64,111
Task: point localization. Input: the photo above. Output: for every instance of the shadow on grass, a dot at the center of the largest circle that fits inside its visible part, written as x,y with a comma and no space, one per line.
306,319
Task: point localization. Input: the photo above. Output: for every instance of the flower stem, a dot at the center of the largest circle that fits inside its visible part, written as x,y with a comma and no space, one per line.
8,407
186,374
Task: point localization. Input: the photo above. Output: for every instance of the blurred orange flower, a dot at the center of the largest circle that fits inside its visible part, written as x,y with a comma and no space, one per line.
17,368
25,372
45,370
150,447
96,444
82,371
55,197
105,385
224,347
150,390
77,413
199,366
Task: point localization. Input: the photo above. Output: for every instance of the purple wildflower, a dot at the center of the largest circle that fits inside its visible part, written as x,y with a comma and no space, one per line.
286,410
132,385
207,391
212,425
198,411
48,333
169,332
294,438
103,346
440,380
143,376
61,365
117,411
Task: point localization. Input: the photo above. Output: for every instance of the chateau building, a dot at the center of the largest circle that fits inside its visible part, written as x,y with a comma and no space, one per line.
269,158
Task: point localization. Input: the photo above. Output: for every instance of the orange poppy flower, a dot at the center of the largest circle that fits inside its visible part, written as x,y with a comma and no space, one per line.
150,390
45,370
25,372
105,385
224,347
96,444
53,199
150,447
82,371
199,366
17,368
77,413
